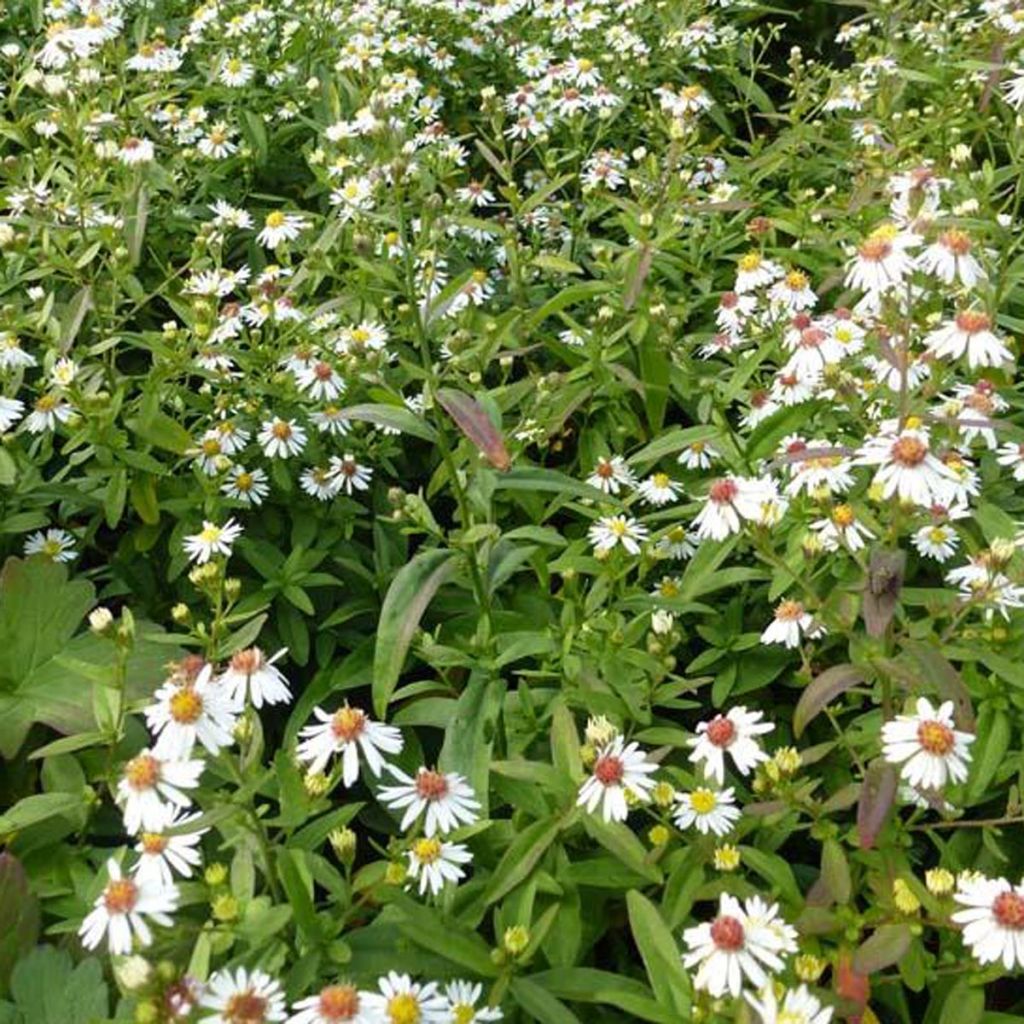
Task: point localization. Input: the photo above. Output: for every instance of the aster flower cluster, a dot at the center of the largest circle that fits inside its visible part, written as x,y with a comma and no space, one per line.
531,363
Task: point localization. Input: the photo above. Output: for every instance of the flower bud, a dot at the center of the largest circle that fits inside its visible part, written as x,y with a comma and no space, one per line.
100,620
515,939
343,842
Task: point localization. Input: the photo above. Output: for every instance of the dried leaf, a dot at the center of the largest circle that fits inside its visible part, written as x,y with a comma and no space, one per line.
822,690
882,591
474,422
876,799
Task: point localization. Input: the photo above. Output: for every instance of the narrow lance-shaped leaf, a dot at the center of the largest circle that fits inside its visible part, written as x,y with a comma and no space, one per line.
670,982
822,690
882,589
474,422
883,948
876,799
407,598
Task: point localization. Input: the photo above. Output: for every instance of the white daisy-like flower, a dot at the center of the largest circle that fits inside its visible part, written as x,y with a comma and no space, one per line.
792,622
252,673
349,474
730,500
55,544
881,262
248,486
135,151
841,527
151,790
447,799
280,227
404,1001
698,455
320,380
243,997
938,541
1013,89
281,439
349,732
659,489
733,733
993,919
335,1004
611,475
1011,455
707,810
212,540
742,943
161,855
235,73
969,333
620,773
434,862
928,749
121,910
11,410
754,271
184,714
798,1006
462,998
907,469
950,258
610,531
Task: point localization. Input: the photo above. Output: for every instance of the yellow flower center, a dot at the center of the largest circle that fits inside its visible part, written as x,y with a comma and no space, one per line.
275,219
186,706
703,801
404,1009
427,851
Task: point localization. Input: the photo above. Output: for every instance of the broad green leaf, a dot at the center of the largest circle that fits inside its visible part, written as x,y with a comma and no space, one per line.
469,736
392,417
588,985
19,917
48,989
540,1005
407,598
521,858
621,842
427,927
669,980
822,691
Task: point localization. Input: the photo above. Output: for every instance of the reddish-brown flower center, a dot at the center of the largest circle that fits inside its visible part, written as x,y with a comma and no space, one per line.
281,430
875,249
185,706
248,661
971,321
246,1008
909,451
727,933
323,371
339,1002
956,241
142,772
1008,910
812,337
935,737
348,723
721,731
789,611
605,470
729,300
120,896
608,770
723,492
431,785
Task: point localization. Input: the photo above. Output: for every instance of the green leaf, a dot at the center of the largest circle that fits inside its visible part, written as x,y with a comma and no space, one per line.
540,1004
49,990
672,442
883,948
19,917
469,736
535,478
407,598
669,980
587,985
393,417
776,871
521,858
427,928
993,741
31,810
298,887
622,843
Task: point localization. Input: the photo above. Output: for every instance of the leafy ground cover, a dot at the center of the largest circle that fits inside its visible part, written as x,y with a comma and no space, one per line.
511,512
